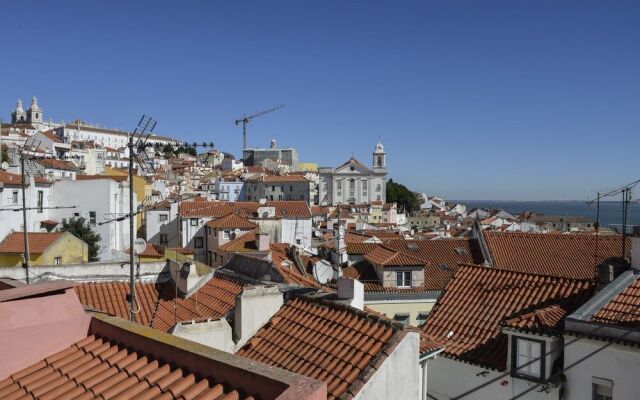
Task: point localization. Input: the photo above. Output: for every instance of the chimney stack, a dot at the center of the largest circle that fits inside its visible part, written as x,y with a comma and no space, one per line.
351,292
254,307
262,241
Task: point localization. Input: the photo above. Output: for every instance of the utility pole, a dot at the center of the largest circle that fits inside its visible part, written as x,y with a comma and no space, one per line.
132,291
25,232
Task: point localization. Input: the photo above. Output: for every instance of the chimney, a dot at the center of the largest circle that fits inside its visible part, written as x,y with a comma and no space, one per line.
186,278
635,253
351,292
254,307
262,241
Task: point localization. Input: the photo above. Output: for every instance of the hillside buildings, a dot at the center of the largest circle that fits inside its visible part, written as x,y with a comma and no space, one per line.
353,182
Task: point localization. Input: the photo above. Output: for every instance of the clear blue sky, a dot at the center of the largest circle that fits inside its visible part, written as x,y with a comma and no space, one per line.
472,100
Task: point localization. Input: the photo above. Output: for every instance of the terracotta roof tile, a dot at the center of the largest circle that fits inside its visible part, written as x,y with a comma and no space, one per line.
542,319
216,209
570,255
38,242
623,309
157,300
243,243
99,368
57,164
336,344
232,220
467,317
360,248
387,257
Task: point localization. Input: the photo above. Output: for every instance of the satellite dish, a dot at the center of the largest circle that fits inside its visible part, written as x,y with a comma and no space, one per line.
5,165
236,232
139,245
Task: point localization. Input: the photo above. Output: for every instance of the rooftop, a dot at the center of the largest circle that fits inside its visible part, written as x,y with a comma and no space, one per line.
216,209
156,301
336,344
571,255
232,220
468,315
13,243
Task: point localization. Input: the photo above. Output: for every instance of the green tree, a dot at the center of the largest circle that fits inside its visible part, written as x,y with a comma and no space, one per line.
405,198
78,228
168,148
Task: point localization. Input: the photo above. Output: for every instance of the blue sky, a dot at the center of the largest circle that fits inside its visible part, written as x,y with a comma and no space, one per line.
472,100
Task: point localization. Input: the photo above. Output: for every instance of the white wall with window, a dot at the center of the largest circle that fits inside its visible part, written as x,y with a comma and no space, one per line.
601,370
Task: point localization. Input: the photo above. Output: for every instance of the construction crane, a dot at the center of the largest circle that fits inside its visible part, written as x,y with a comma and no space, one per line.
245,120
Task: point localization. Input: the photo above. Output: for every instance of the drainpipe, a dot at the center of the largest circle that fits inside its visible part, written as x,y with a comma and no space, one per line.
423,364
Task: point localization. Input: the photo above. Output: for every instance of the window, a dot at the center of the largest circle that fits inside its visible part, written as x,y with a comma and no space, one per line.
198,242
226,234
40,200
339,185
528,358
364,185
194,221
57,261
92,218
163,218
422,316
602,389
14,197
164,240
378,187
352,184
402,318
403,278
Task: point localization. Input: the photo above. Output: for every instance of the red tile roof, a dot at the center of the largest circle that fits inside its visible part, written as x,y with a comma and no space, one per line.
570,255
151,251
278,178
539,320
157,300
94,177
38,242
99,368
216,209
387,257
9,179
360,248
287,269
232,220
623,308
356,164
467,317
338,345
243,243
57,164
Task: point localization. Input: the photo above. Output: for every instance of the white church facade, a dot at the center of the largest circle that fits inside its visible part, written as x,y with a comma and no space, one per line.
353,182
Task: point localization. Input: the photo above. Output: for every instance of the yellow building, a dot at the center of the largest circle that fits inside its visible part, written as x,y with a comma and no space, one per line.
141,188
45,248
307,167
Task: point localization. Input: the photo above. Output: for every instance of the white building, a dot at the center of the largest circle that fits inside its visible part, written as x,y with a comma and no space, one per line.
88,157
38,196
80,131
353,182
601,341
162,224
229,189
97,199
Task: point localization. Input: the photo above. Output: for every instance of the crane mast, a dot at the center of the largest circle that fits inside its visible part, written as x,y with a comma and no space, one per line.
247,118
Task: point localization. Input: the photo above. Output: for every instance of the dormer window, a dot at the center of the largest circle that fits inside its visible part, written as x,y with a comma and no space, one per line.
527,358
403,278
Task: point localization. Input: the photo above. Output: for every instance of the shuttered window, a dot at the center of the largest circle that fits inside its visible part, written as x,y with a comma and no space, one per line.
602,389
